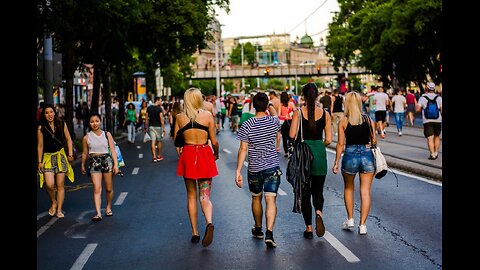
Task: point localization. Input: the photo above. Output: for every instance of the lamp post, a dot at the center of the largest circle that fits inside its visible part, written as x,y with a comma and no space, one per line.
243,78
216,29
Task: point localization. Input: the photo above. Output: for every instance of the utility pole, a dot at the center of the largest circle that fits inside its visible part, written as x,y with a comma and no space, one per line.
216,29
243,78
48,60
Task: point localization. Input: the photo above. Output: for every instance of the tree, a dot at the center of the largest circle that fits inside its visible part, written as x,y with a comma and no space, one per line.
248,54
396,39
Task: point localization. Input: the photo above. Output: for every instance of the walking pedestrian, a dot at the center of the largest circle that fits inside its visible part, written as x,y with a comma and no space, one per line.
286,111
156,128
315,122
354,142
102,163
258,137
432,126
411,106
197,161
53,145
399,106
130,121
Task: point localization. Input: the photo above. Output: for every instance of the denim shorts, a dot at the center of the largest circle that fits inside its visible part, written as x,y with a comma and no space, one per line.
267,181
358,159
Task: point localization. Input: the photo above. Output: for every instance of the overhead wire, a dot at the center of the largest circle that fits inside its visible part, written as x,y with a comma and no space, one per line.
308,16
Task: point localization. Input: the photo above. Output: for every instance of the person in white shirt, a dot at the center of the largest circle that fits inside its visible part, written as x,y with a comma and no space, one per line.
381,102
399,106
431,127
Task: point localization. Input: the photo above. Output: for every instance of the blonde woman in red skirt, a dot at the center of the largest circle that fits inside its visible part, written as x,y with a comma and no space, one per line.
194,127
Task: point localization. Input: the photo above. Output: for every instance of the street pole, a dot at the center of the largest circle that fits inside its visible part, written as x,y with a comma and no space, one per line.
243,79
217,70
48,65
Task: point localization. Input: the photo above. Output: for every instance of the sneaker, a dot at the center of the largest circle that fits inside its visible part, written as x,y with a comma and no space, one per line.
257,232
431,157
362,229
159,158
399,133
269,240
154,160
348,225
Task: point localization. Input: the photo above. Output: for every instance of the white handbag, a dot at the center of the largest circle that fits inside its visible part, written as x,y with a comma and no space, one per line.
146,137
381,166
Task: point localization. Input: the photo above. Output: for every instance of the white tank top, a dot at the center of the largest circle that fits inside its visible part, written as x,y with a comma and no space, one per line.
97,144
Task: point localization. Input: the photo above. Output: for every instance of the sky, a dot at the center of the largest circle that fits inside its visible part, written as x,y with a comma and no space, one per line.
264,17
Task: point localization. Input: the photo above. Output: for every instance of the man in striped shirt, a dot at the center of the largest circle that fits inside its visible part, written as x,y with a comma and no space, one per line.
257,137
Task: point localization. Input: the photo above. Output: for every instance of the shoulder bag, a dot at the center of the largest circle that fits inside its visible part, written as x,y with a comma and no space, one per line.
381,167
299,163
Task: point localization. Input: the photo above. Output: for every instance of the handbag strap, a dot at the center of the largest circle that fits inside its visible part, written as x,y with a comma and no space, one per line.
300,126
369,120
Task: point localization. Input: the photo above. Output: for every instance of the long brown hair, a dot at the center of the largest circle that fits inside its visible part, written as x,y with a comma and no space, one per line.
310,94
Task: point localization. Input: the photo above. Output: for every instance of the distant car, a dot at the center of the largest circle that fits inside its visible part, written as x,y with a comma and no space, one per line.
307,63
279,64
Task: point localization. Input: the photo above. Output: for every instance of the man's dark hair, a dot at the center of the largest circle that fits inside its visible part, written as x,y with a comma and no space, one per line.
157,99
260,102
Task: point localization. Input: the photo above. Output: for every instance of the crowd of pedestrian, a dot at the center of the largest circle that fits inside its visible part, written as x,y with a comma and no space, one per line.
196,120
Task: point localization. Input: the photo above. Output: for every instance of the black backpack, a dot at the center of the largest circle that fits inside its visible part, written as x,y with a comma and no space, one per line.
431,111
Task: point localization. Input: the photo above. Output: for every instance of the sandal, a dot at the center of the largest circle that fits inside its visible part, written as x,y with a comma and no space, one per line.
108,213
52,212
60,215
97,218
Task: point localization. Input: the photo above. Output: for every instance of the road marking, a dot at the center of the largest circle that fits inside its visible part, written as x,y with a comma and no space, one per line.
39,216
121,198
135,170
84,256
138,147
343,250
140,155
46,226
226,151
281,192
245,163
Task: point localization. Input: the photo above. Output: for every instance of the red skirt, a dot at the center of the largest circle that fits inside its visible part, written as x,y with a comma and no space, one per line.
197,162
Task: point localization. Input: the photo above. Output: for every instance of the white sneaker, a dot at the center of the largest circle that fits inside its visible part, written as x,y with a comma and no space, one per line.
348,225
399,133
362,229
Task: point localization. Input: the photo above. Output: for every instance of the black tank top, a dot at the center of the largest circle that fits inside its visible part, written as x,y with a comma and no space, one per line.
50,144
315,134
358,134
337,104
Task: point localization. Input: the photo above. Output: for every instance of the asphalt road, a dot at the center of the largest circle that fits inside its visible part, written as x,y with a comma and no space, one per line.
150,228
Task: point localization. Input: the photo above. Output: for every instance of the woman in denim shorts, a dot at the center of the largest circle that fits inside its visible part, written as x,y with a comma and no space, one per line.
354,142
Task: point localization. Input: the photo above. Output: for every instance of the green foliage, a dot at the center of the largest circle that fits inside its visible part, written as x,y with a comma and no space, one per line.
400,37
248,54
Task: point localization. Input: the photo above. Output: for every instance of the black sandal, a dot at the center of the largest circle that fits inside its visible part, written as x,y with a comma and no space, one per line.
97,218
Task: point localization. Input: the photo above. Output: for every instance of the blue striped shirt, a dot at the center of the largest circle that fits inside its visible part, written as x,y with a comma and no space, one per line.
261,136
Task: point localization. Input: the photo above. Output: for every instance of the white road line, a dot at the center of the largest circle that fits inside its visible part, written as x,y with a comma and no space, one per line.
39,216
121,198
138,147
140,155
46,226
245,163
281,192
343,250
83,258
135,170
226,151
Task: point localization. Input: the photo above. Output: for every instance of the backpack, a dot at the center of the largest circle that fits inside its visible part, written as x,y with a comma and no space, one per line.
431,110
